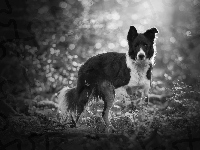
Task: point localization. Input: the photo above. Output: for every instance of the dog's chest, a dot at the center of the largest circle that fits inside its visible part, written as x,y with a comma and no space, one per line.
138,75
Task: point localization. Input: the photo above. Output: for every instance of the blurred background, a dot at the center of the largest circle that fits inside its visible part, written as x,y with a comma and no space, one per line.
44,42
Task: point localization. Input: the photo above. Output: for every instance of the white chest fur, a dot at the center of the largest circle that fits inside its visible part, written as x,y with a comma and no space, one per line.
138,72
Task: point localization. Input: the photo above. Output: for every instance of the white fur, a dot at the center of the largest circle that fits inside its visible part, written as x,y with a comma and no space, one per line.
141,52
138,71
62,103
152,60
138,80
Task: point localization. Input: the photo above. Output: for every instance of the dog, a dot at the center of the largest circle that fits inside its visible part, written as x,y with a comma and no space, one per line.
102,74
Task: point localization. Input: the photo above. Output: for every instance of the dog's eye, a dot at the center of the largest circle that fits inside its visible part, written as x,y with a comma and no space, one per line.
145,45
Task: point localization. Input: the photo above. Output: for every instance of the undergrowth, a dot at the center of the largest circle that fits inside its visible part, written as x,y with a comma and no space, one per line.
183,107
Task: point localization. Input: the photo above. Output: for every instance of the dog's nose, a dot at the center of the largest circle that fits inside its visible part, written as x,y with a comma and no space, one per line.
141,56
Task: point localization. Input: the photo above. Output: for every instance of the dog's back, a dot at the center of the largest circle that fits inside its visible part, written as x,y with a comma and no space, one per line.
103,67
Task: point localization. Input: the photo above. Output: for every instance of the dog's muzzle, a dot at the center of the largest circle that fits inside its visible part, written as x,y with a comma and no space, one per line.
141,56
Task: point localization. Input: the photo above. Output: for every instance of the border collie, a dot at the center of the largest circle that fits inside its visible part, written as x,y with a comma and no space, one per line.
100,75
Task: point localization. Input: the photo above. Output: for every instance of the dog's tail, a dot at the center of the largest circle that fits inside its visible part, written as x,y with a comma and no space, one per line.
62,102
67,101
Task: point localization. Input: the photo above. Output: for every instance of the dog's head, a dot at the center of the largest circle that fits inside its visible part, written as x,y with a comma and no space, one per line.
141,45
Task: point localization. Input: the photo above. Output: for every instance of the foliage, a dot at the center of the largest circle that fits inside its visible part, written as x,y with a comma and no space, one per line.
68,32
172,122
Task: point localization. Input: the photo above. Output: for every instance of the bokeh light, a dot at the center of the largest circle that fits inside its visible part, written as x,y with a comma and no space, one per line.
69,32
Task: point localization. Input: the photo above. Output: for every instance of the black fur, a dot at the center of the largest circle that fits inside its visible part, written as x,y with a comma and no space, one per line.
149,72
103,67
137,40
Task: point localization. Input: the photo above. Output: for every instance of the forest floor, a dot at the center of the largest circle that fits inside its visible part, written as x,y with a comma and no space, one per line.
171,123
168,130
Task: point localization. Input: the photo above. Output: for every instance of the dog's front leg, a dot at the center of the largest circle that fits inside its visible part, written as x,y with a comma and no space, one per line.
108,92
146,91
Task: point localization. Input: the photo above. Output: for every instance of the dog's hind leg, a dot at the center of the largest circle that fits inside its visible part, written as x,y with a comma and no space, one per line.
83,99
108,95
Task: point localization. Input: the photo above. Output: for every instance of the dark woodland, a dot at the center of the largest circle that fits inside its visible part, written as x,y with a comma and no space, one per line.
43,43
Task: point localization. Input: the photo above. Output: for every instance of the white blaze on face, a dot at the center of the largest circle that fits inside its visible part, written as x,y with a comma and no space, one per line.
141,53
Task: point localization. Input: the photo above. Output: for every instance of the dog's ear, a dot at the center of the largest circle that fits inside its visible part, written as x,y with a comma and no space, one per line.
151,34
132,33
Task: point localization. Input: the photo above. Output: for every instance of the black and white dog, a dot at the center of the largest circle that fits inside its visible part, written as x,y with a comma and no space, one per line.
100,75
